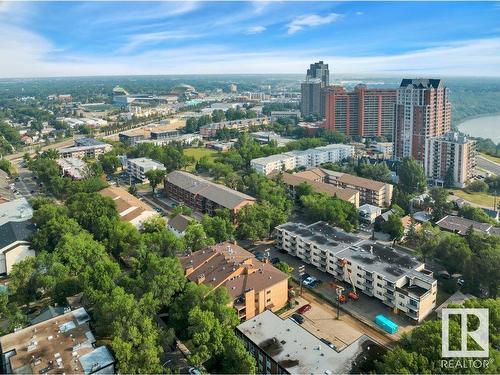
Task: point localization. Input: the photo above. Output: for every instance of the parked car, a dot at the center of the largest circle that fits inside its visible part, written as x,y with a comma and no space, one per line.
460,282
275,260
325,341
310,280
194,371
297,318
304,309
305,276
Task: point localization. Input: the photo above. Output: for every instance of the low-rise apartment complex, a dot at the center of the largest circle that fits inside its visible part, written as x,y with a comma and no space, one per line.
293,180
253,286
281,346
203,195
299,159
210,130
138,167
62,344
396,279
72,167
370,191
451,157
85,147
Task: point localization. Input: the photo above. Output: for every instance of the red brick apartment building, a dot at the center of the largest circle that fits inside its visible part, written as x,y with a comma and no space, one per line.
423,111
363,112
203,195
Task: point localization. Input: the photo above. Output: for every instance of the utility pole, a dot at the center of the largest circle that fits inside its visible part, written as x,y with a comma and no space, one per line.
339,291
302,270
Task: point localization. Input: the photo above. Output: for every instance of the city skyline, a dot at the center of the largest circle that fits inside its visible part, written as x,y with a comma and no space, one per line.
267,37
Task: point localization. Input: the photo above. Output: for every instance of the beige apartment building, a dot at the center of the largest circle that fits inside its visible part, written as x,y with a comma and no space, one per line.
253,286
451,156
399,281
370,191
293,180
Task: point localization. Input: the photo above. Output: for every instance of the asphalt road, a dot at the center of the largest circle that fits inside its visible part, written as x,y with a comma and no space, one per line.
489,165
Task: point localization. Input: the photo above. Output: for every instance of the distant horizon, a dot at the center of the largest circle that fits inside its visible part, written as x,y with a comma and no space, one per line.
298,75
89,39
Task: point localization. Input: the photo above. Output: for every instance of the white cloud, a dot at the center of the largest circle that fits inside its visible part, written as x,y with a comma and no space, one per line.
138,40
167,9
359,13
310,20
28,54
255,30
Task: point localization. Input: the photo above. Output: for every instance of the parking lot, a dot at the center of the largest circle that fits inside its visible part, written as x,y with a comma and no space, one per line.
365,309
322,322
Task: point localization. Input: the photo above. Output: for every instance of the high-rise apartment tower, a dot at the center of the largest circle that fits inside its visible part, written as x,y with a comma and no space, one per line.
363,112
423,110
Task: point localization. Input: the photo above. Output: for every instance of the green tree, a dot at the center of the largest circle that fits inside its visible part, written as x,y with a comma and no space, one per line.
332,210
235,358
478,186
94,212
219,227
206,335
474,213
109,162
393,227
411,176
155,177
196,238
284,267
134,337
440,205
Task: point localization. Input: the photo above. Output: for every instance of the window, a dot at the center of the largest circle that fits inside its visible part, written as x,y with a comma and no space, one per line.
268,300
269,291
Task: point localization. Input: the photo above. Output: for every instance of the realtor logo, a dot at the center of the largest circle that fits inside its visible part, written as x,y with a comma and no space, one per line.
480,335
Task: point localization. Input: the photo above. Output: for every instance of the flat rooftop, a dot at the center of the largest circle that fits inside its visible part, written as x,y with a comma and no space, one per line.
375,257
297,350
147,163
16,210
63,344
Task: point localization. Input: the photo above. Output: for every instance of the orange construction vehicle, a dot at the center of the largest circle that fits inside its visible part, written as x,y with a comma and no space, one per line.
352,294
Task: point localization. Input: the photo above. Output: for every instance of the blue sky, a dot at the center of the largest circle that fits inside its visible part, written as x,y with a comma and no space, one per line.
103,38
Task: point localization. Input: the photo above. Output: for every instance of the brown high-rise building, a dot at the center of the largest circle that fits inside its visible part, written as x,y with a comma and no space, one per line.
423,110
363,112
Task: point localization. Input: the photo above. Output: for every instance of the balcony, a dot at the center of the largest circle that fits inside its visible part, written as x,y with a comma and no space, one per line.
389,296
412,307
390,286
369,276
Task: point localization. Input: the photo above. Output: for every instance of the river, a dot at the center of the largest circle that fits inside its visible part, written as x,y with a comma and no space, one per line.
483,126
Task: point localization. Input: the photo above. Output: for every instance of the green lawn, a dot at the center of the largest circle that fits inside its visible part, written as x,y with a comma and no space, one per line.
483,199
492,158
198,153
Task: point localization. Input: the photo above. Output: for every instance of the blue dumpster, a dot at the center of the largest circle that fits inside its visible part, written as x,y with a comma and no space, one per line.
386,324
